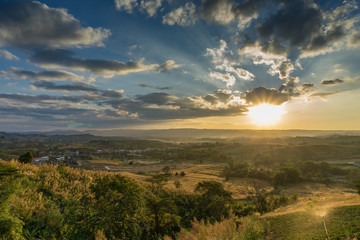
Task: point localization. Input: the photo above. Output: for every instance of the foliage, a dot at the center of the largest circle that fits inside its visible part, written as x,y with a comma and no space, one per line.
214,201
244,170
286,175
58,202
10,224
261,200
119,207
26,158
357,185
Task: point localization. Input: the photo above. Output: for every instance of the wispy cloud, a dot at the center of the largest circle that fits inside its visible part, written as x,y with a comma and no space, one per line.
8,55
61,75
60,58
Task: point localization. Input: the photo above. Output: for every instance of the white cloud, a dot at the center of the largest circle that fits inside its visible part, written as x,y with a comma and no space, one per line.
279,64
225,77
220,56
127,5
151,6
167,66
182,16
217,54
240,72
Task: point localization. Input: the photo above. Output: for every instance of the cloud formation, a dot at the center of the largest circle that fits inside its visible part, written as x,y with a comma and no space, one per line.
29,24
265,95
59,75
148,6
158,88
226,11
59,58
167,66
332,81
126,5
223,60
48,85
157,98
182,16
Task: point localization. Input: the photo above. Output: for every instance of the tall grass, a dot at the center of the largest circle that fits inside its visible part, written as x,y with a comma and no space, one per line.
232,228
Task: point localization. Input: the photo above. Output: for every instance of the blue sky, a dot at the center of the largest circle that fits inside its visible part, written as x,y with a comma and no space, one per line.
171,63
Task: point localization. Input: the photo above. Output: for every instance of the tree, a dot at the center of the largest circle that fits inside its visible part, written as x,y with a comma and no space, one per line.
119,207
257,195
214,201
286,175
357,185
26,158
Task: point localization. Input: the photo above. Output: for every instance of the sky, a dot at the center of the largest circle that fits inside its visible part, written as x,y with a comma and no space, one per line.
159,64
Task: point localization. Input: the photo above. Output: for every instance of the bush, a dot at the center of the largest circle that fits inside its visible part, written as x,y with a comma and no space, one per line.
286,175
26,158
357,185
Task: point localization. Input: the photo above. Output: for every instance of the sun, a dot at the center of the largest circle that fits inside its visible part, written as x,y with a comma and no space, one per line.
266,114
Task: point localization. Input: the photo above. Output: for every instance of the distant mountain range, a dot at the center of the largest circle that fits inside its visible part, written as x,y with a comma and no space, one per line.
189,133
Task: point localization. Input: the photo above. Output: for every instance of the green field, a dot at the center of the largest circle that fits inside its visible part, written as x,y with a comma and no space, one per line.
341,222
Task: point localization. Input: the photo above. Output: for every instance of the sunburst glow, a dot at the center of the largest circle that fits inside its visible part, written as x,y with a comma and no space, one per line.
266,114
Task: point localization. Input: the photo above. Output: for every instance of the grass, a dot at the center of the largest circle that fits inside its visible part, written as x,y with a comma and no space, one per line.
341,222
108,161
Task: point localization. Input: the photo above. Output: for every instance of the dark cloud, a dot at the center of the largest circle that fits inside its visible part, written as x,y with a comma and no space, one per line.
157,98
158,88
144,85
306,87
304,28
47,85
28,24
265,95
65,58
226,11
41,112
326,39
296,22
27,98
220,103
96,94
274,47
44,75
163,88
219,11
332,81
355,40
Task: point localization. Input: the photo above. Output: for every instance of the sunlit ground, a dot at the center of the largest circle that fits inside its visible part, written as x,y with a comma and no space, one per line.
266,114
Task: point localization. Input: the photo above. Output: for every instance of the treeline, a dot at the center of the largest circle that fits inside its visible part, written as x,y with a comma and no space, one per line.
286,173
63,203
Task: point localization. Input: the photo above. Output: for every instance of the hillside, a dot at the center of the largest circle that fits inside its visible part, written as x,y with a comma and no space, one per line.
57,202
